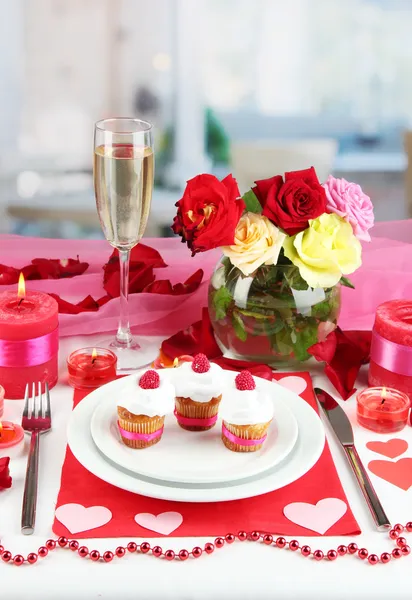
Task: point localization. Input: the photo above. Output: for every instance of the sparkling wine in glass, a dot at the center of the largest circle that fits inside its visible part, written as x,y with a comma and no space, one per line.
123,183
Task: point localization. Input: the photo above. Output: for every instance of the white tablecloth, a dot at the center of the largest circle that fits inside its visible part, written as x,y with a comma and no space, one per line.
239,571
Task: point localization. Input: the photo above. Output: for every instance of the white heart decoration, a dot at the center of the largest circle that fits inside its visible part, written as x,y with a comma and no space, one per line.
163,523
77,518
318,517
294,384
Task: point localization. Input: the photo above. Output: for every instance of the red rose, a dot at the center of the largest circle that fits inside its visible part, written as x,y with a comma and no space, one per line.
291,203
208,212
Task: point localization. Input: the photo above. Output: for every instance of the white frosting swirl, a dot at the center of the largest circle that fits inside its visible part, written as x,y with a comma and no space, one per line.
200,387
156,402
246,407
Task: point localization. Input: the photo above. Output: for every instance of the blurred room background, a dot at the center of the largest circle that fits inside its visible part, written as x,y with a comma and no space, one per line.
250,87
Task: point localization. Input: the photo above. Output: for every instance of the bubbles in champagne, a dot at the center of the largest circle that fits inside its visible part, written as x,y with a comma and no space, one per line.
123,182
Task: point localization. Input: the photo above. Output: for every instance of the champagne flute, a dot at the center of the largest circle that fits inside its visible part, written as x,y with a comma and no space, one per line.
123,184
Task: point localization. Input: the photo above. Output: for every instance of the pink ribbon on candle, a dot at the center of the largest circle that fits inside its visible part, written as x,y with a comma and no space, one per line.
191,422
391,356
144,437
242,442
28,353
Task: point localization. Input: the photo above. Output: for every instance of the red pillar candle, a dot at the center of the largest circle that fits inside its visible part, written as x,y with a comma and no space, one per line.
383,410
391,350
91,367
29,339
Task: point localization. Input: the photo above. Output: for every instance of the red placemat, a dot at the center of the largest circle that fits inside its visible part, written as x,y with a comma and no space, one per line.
263,513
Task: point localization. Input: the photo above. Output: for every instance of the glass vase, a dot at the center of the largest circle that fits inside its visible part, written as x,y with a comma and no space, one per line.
271,316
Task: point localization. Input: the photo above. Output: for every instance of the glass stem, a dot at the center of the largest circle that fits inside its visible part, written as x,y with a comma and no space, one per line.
124,335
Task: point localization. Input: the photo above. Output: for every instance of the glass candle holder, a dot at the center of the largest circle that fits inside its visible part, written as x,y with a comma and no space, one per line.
11,439
91,367
384,410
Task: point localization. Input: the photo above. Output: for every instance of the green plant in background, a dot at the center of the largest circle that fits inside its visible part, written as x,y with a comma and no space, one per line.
216,145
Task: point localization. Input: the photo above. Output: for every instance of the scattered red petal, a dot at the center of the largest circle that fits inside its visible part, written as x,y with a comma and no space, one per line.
43,268
199,337
257,370
5,479
8,275
88,304
344,353
163,286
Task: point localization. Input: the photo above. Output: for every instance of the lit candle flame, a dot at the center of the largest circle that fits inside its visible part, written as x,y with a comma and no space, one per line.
383,395
94,355
21,289
175,363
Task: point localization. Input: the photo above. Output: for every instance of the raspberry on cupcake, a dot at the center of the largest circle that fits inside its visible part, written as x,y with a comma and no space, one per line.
141,413
247,413
198,387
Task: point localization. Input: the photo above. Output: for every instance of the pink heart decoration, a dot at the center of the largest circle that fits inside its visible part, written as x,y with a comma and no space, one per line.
318,517
391,448
77,518
164,523
294,384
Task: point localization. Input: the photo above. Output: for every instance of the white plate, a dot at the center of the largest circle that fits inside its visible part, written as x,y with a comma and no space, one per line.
307,451
187,456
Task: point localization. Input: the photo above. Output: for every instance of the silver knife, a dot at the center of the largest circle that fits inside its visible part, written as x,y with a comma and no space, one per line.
343,431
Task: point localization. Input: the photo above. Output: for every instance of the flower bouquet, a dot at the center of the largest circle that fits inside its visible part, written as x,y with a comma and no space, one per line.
287,244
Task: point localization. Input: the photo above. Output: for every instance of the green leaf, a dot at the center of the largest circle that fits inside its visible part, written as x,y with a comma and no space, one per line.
221,302
322,310
306,336
282,342
251,202
239,326
346,282
295,279
273,327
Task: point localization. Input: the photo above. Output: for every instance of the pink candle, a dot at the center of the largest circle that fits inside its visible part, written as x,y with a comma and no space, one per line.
91,367
28,340
391,351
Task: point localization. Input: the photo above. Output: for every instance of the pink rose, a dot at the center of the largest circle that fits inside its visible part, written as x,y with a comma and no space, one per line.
348,201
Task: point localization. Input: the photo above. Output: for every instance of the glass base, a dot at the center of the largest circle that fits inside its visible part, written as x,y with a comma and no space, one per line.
132,355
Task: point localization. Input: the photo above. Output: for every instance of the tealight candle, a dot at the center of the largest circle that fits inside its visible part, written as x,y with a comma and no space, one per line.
91,367
383,410
29,339
11,439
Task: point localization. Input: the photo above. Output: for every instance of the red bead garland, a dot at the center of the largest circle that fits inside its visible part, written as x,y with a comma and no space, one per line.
402,548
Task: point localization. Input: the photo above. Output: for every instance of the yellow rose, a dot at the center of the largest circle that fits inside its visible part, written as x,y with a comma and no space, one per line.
324,251
257,242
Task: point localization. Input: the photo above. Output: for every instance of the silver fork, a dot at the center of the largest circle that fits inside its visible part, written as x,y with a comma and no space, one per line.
36,420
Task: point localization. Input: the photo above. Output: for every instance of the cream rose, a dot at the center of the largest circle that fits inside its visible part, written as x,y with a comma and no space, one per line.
257,242
325,251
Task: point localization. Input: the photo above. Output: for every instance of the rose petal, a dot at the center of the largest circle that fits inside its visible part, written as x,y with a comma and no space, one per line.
344,353
5,479
197,338
307,175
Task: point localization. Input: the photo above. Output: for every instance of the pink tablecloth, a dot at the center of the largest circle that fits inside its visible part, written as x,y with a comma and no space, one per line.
386,273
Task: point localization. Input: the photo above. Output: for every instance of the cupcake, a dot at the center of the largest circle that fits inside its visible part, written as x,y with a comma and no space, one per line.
198,387
247,413
142,413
